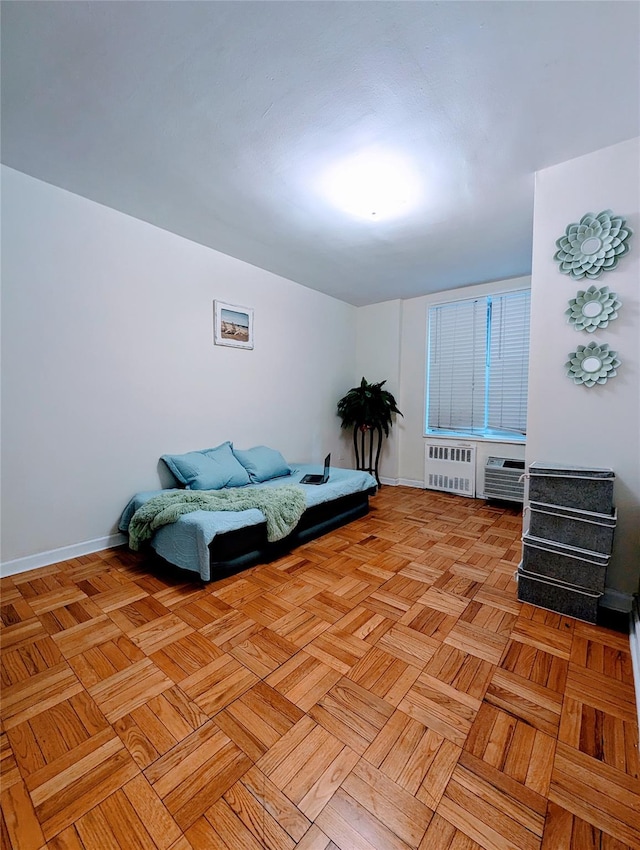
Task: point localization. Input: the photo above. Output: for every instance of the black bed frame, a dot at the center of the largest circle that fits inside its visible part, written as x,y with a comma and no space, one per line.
245,547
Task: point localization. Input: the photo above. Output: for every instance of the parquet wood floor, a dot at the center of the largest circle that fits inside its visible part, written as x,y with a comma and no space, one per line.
380,688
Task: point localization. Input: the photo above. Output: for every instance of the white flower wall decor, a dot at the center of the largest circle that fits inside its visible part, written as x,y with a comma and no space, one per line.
593,245
592,364
592,309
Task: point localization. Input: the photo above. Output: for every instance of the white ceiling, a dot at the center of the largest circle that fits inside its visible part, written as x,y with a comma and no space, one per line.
215,120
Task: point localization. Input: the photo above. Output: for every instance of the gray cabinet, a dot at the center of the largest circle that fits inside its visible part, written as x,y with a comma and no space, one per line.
567,546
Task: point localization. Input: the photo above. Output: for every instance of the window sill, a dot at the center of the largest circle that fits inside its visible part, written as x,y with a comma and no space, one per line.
477,438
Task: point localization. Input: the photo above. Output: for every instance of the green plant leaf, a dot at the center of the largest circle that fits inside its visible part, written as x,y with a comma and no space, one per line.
368,405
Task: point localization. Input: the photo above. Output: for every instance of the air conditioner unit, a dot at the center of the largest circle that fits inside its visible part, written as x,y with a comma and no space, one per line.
504,479
450,467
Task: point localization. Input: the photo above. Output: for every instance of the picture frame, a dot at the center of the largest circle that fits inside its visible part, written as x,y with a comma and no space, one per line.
232,325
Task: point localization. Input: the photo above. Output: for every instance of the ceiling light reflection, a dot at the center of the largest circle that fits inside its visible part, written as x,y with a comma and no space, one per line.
375,185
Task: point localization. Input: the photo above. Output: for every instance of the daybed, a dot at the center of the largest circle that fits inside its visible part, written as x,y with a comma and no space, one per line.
212,542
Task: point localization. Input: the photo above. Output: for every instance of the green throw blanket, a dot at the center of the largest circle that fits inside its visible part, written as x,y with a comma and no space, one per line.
281,506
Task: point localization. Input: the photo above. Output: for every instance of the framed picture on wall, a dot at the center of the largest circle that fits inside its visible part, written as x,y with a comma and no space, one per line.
232,325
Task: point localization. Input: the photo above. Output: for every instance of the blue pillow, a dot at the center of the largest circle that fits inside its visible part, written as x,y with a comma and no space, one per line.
208,469
263,463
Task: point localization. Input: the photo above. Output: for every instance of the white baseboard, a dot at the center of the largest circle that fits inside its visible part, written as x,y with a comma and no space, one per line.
65,553
403,482
616,600
634,642
410,482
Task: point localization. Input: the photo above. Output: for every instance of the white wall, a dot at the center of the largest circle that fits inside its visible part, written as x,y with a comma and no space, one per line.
108,362
597,426
379,328
407,358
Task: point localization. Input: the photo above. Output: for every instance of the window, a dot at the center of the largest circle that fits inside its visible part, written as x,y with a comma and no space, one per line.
478,360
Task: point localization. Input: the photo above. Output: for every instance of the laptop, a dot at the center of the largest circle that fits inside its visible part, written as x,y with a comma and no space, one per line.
318,479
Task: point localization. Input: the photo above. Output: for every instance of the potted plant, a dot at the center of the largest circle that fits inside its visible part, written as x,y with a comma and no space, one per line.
368,409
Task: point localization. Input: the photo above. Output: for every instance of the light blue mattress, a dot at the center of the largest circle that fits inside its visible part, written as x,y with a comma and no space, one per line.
185,543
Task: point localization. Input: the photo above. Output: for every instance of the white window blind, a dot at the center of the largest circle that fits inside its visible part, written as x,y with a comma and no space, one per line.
508,362
477,365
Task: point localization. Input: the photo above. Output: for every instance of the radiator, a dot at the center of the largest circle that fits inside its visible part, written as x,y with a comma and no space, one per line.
450,467
503,479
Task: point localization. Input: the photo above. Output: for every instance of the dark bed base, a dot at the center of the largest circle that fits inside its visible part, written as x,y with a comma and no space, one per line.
245,547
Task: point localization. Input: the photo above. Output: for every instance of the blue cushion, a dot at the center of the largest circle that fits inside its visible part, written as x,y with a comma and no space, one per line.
208,469
263,463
